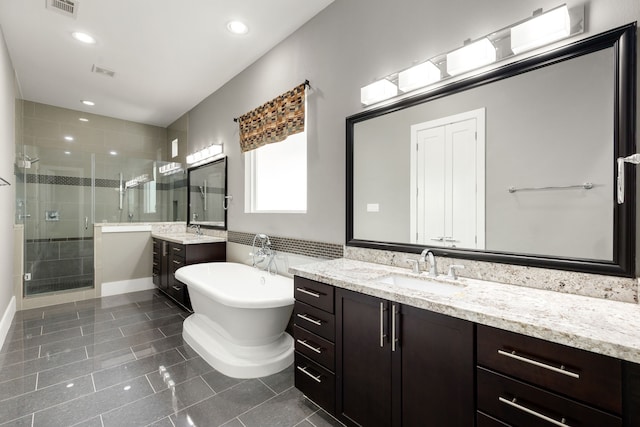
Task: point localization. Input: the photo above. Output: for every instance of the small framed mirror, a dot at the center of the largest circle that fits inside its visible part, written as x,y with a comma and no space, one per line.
207,195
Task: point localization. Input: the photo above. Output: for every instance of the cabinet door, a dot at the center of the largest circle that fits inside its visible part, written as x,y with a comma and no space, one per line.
437,369
363,363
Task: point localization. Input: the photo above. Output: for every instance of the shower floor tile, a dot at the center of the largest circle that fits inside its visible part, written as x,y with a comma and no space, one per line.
96,363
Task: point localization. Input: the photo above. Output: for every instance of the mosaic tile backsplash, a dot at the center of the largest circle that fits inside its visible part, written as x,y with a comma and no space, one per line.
294,246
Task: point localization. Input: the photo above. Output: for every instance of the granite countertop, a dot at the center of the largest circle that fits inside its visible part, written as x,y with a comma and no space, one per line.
187,238
607,327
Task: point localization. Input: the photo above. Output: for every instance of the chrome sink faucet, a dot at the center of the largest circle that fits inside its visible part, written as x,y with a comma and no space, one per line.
197,228
427,255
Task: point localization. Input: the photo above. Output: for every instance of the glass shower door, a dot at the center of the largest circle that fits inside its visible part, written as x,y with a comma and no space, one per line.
57,212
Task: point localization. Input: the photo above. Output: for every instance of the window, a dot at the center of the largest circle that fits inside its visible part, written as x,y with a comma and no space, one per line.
276,176
174,148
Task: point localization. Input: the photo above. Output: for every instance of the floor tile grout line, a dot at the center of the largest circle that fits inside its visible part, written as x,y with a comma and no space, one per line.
85,395
258,405
33,418
240,421
57,404
93,382
267,386
37,378
151,385
87,358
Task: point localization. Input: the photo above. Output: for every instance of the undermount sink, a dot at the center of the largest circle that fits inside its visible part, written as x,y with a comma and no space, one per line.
422,284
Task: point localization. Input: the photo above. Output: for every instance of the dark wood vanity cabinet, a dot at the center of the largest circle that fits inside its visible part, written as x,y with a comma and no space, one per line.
314,335
398,365
373,362
525,381
169,256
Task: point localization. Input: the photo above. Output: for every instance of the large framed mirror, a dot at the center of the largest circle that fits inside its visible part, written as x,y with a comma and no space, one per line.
516,165
207,195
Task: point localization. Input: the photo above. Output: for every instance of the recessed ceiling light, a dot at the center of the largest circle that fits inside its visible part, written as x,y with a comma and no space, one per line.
68,138
67,152
89,103
83,37
113,153
237,27
82,119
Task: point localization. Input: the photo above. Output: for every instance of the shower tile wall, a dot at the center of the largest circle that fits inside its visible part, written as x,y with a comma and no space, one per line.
46,126
58,264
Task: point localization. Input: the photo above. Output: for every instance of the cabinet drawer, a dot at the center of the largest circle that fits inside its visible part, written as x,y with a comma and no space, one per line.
178,251
314,293
315,348
579,374
315,320
177,291
524,405
176,263
484,420
315,382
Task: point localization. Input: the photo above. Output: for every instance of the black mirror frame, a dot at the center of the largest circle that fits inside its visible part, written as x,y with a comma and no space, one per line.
623,41
215,227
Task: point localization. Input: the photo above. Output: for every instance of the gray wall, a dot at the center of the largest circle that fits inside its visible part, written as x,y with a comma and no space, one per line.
345,47
7,194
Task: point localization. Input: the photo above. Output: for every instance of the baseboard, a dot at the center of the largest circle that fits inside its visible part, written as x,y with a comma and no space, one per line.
125,286
7,318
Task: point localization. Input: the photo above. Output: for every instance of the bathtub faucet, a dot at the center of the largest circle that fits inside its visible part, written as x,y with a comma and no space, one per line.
264,254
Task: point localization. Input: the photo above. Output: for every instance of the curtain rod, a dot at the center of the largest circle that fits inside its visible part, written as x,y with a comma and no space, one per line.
306,83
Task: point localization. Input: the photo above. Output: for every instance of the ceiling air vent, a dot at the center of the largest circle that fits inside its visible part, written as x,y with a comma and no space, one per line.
65,7
102,71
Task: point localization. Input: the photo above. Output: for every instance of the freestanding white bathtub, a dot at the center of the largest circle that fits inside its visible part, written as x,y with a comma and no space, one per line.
240,314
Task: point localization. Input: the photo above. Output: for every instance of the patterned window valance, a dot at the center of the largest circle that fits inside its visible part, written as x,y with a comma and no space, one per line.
273,121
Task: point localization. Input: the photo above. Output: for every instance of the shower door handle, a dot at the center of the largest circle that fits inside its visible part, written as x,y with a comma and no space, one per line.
86,222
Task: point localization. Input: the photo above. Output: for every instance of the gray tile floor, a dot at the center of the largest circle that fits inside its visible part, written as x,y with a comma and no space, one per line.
121,361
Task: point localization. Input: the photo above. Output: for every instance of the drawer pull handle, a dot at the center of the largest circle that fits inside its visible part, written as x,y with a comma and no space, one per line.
309,319
176,288
309,374
177,262
559,370
513,404
382,334
177,249
304,291
310,347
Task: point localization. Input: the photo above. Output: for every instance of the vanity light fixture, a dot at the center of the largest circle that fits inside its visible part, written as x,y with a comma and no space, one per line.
541,29
170,168
420,75
205,154
378,91
471,56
